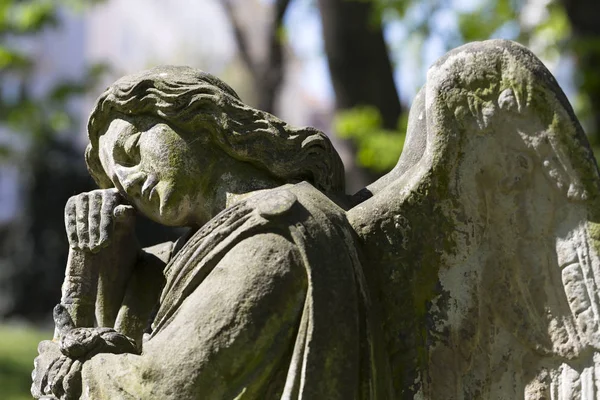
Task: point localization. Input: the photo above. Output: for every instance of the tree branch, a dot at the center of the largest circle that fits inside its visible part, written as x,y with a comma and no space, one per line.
272,71
240,38
267,74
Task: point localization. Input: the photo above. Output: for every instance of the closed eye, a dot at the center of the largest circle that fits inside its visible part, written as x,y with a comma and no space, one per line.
131,145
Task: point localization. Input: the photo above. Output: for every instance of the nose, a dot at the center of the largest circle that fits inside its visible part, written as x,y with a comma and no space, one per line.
131,180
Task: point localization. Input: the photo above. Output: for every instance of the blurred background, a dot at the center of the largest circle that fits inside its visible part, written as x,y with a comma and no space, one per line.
347,67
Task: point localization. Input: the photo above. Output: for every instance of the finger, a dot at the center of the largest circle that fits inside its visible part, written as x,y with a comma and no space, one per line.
94,219
62,319
82,207
56,386
70,222
35,390
49,375
110,200
36,379
46,346
124,213
72,381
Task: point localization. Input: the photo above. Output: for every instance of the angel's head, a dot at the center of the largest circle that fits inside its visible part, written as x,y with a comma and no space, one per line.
168,136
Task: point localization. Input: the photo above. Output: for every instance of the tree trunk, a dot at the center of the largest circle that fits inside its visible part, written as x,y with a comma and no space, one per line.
585,23
359,63
267,73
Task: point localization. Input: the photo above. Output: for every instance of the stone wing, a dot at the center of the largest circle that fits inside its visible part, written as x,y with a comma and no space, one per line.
482,246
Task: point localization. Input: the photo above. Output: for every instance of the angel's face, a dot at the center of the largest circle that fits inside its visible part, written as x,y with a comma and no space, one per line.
162,173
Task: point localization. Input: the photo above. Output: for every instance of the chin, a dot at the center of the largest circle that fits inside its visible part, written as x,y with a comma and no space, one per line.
170,216
168,210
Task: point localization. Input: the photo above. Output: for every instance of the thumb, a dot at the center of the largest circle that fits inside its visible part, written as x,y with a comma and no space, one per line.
62,319
124,212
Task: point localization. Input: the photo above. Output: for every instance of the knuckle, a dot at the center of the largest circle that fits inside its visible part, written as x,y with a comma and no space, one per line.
93,238
44,345
69,215
74,244
70,207
84,199
97,197
111,193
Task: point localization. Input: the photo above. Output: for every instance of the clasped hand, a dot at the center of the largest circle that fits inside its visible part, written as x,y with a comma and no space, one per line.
57,369
92,217
93,220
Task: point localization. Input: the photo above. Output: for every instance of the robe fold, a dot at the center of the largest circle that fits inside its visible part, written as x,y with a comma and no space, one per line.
266,301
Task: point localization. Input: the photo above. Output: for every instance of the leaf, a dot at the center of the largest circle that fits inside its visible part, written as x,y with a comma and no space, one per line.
483,22
34,15
11,59
357,121
378,149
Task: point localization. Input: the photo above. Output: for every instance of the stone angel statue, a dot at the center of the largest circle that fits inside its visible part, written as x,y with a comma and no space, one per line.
264,298
468,272
482,246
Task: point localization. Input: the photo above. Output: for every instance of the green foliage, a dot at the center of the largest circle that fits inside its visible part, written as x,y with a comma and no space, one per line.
550,36
18,348
399,6
23,17
487,19
378,148
556,28
12,59
34,118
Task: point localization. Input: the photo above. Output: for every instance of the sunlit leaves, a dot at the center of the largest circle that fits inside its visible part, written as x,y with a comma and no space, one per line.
21,17
483,22
12,59
27,117
556,26
378,148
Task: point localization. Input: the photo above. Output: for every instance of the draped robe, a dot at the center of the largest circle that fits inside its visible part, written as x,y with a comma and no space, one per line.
266,301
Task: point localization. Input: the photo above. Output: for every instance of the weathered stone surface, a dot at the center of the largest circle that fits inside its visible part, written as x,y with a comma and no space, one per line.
264,298
482,246
468,272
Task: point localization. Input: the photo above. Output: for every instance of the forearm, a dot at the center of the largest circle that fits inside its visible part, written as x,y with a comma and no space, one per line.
103,249
143,291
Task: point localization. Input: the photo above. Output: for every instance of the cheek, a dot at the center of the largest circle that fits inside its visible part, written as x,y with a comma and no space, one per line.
179,168
162,155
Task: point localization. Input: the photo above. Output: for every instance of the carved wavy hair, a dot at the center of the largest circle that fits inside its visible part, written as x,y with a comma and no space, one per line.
193,101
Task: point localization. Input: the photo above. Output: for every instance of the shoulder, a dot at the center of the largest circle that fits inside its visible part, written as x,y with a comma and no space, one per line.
309,218
283,223
297,203
286,220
